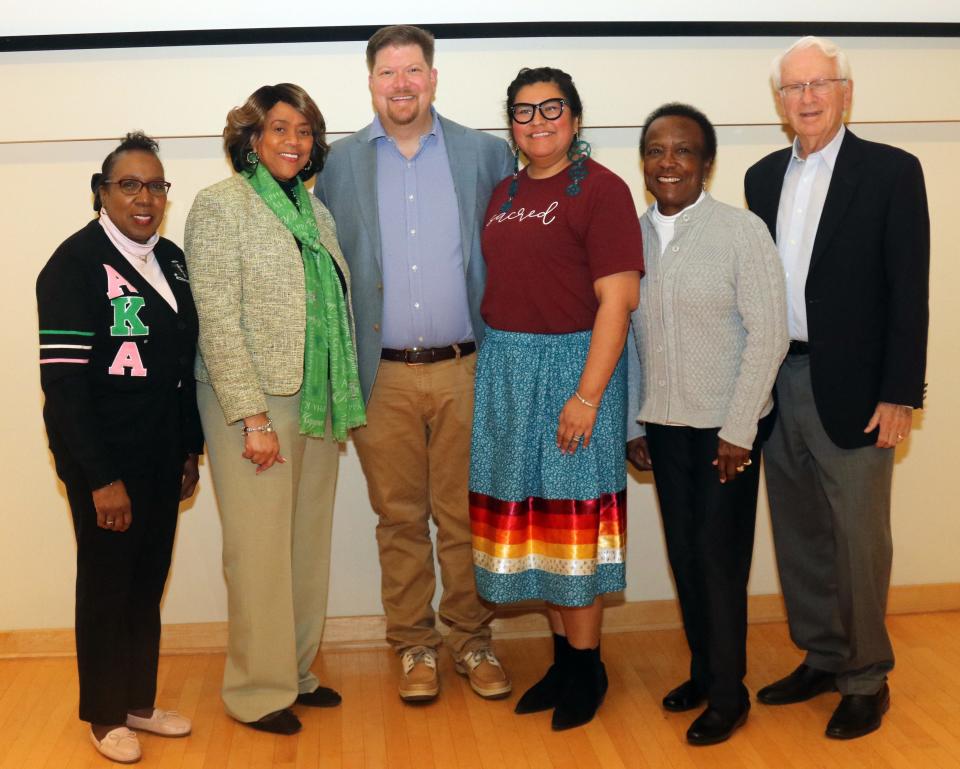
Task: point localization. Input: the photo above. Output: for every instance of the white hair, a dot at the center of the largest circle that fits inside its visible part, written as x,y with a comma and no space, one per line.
827,47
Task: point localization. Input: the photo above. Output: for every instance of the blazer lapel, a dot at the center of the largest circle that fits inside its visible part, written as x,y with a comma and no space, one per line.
363,163
462,155
767,202
843,183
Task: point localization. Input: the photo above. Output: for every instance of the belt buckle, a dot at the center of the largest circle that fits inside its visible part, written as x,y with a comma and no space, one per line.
456,350
406,354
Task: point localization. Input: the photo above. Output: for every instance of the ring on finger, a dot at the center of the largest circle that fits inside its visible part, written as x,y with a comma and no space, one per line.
578,438
109,522
740,468
747,462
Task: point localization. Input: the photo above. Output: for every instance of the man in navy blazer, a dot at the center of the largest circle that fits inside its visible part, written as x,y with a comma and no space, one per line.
850,220
408,194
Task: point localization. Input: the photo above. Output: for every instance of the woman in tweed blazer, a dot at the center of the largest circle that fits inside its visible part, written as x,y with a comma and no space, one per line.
249,284
710,334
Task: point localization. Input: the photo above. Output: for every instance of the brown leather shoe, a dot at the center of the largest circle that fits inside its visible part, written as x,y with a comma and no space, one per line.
485,672
419,680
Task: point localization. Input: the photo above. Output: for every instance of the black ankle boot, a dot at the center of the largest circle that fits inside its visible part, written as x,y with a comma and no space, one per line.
583,690
545,693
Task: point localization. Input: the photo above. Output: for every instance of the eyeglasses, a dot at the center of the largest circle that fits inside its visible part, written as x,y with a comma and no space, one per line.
132,187
551,109
819,87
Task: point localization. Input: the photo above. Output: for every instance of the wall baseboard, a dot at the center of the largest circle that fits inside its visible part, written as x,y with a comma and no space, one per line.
522,621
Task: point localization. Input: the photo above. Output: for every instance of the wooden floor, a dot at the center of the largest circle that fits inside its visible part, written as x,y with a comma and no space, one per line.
373,728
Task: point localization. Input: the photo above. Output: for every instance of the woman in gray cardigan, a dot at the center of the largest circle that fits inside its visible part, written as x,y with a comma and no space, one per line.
278,390
709,336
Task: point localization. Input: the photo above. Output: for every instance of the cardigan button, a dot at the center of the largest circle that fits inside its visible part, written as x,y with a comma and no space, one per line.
675,249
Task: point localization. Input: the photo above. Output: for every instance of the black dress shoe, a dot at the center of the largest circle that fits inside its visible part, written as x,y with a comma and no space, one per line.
687,696
802,684
277,722
321,697
713,726
859,714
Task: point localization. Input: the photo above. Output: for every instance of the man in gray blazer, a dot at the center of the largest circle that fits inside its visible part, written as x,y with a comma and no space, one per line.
409,193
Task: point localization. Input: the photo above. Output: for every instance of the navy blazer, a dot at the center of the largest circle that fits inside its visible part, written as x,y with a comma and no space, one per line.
348,188
866,291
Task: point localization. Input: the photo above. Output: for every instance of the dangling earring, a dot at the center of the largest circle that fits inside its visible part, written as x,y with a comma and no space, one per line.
308,166
577,155
253,159
514,184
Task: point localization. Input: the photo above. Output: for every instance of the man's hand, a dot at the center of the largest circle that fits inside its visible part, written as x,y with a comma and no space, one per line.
894,422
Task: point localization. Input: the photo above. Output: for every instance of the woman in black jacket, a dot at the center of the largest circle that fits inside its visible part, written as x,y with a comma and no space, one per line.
118,333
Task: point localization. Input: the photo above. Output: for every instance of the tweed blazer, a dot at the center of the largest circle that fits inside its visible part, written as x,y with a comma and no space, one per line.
348,185
247,277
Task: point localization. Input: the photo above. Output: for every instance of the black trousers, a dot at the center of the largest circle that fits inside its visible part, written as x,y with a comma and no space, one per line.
709,528
120,581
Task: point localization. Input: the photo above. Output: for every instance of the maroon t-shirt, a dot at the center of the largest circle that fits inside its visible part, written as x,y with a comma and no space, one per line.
544,254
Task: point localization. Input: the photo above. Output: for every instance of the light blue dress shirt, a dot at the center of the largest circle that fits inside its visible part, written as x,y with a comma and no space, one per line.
424,288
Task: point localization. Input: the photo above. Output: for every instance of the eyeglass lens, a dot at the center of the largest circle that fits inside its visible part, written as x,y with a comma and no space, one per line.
551,109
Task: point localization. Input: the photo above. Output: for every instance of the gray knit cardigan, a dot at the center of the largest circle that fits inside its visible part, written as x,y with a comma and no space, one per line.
711,329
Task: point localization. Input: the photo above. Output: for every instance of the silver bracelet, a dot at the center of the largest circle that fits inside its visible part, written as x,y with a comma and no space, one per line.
266,427
585,402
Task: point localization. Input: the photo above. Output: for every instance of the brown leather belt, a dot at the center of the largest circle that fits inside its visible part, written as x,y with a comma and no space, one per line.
418,355
798,348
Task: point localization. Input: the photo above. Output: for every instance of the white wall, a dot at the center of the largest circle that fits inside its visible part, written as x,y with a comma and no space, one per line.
64,111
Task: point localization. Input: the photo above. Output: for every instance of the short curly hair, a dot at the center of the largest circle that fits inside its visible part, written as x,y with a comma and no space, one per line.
135,141
676,109
246,123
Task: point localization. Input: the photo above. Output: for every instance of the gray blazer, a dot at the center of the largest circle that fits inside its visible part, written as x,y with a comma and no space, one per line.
246,274
348,187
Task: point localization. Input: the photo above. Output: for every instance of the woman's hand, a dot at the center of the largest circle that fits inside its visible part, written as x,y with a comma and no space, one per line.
191,474
261,448
575,425
730,460
638,454
113,507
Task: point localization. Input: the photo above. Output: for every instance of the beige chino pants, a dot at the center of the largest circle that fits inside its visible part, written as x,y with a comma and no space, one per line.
415,453
276,555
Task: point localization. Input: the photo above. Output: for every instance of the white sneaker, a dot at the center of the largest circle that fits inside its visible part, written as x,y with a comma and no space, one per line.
167,723
120,745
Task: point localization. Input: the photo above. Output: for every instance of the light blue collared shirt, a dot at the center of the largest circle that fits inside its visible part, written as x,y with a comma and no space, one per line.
424,287
802,197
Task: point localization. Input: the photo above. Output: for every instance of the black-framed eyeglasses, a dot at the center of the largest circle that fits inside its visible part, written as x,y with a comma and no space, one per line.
551,109
820,87
132,187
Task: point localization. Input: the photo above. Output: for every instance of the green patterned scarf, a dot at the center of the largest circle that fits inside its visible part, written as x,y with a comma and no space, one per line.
328,352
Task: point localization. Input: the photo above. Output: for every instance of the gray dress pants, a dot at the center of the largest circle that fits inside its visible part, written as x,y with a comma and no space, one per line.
830,509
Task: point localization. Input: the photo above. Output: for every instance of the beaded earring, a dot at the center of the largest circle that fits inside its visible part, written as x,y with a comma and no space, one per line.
514,184
577,155
253,158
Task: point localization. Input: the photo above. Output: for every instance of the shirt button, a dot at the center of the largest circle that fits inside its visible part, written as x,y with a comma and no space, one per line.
416,305
675,249
419,338
413,232
659,348
414,268
686,217
410,197
663,382
376,327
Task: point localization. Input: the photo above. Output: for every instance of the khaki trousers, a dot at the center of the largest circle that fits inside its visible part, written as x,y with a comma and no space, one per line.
415,453
276,555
